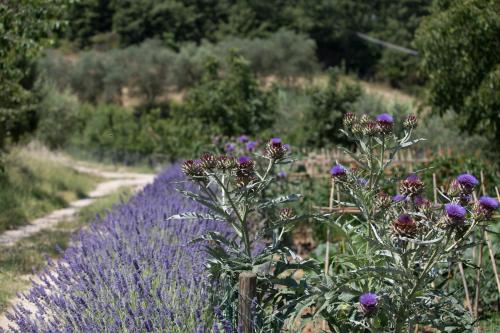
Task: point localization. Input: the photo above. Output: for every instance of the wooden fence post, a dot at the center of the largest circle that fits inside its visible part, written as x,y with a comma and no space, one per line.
247,293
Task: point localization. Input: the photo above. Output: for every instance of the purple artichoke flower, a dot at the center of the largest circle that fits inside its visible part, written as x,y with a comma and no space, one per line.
404,226
276,141
229,147
385,118
338,170
368,302
488,203
398,198
455,212
250,146
243,139
282,175
244,160
467,180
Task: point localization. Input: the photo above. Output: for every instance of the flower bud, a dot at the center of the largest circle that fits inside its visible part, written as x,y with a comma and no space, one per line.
275,149
385,122
245,171
364,119
410,122
226,162
349,119
368,303
404,226
287,214
411,186
383,200
371,128
192,169
208,161
357,128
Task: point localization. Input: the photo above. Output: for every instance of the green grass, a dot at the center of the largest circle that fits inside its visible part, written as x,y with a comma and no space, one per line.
28,255
35,183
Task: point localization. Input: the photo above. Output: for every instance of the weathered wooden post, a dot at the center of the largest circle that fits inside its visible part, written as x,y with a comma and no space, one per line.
247,293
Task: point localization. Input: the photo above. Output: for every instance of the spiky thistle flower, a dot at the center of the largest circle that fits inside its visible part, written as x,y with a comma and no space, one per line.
368,303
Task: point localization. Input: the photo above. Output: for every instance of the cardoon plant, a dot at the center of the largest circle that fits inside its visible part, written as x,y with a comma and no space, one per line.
398,251
236,190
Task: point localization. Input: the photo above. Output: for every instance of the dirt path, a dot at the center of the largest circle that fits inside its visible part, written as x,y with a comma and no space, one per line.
115,181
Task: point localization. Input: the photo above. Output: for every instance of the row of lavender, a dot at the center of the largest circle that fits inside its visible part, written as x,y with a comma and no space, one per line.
135,271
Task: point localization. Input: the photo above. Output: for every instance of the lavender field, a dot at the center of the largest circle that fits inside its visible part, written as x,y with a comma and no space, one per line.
132,271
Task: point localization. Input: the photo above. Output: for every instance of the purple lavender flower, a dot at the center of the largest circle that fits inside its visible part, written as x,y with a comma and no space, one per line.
229,147
338,170
467,180
243,139
385,118
455,212
488,203
250,146
368,302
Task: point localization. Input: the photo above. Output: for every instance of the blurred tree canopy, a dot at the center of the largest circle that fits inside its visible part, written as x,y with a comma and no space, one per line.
331,24
25,27
460,46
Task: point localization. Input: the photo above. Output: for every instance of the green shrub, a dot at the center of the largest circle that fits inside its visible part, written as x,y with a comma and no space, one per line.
231,101
329,104
57,117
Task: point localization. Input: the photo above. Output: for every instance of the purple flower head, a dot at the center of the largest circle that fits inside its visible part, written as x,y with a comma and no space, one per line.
338,170
282,174
405,219
244,159
250,146
413,178
467,180
455,211
398,198
385,118
362,181
275,141
488,203
286,146
243,138
368,302
229,147
420,200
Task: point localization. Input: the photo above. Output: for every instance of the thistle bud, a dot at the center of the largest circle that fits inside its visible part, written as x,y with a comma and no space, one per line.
287,214
410,122
371,128
192,169
383,200
275,149
357,128
226,162
364,119
208,161
368,303
454,189
245,171
349,119
385,122
404,226
411,186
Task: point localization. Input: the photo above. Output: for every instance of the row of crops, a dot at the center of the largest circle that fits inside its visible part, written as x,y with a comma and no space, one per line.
134,271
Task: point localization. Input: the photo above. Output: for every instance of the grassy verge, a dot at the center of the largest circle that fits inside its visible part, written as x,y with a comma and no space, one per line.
35,183
28,255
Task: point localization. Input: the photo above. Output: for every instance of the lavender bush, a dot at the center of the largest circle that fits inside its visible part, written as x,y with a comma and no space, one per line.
133,272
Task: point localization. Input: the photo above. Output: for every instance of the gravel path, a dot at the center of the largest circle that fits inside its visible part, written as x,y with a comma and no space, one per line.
115,181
